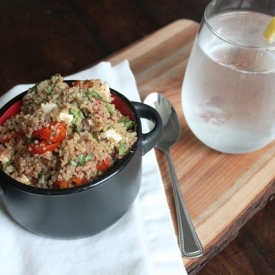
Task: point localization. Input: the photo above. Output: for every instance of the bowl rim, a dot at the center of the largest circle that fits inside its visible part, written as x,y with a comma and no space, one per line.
7,180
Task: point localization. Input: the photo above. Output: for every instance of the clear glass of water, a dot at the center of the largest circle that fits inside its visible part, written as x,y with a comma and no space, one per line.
228,93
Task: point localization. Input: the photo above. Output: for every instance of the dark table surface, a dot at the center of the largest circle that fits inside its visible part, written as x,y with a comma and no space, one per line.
42,37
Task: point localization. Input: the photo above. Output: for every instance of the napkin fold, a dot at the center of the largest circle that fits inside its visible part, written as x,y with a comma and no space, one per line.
141,242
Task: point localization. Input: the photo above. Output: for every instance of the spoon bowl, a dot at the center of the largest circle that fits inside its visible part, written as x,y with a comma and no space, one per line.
189,242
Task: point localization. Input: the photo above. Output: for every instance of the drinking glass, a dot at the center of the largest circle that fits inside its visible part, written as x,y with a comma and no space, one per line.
228,93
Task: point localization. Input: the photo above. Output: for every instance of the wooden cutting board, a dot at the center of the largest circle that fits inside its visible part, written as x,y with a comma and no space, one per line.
221,191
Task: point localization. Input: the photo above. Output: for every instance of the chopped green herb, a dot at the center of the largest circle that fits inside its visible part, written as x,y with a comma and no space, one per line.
129,124
49,89
56,75
40,175
77,116
6,164
33,89
82,159
31,140
123,119
73,163
93,93
95,135
121,149
109,108
96,95
89,156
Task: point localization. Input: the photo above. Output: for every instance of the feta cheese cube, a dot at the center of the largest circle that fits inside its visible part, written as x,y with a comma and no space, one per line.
5,155
67,118
48,107
111,133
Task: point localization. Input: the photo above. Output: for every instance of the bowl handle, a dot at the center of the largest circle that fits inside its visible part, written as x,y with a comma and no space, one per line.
150,139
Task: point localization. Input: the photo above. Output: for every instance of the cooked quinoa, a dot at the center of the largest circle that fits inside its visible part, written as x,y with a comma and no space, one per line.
65,135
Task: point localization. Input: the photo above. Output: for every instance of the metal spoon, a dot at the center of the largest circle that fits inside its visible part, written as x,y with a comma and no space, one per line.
189,242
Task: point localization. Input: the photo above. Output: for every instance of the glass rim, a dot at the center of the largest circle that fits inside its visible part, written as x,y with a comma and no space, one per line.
229,41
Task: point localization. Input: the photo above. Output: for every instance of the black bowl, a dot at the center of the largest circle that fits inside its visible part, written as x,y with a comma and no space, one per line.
91,208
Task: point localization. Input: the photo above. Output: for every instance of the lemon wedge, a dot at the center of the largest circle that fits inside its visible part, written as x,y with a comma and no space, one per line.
269,32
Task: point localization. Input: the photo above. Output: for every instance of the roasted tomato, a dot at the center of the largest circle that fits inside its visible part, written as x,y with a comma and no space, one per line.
79,181
11,135
56,132
104,165
84,83
61,184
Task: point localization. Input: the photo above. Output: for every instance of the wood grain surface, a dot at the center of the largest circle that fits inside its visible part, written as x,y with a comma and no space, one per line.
222,191
40,38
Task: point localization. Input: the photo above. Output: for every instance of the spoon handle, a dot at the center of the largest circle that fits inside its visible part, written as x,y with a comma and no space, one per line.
189,243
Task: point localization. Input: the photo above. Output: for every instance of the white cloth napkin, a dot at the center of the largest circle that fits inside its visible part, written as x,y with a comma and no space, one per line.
141,242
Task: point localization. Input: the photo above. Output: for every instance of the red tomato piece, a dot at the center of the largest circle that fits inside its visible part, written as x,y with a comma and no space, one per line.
42,147
103,166
11,136
61,184
56,132
79,181
83,84
78,83
88,84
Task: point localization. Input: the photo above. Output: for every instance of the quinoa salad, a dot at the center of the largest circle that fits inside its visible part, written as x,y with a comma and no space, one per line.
65,135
